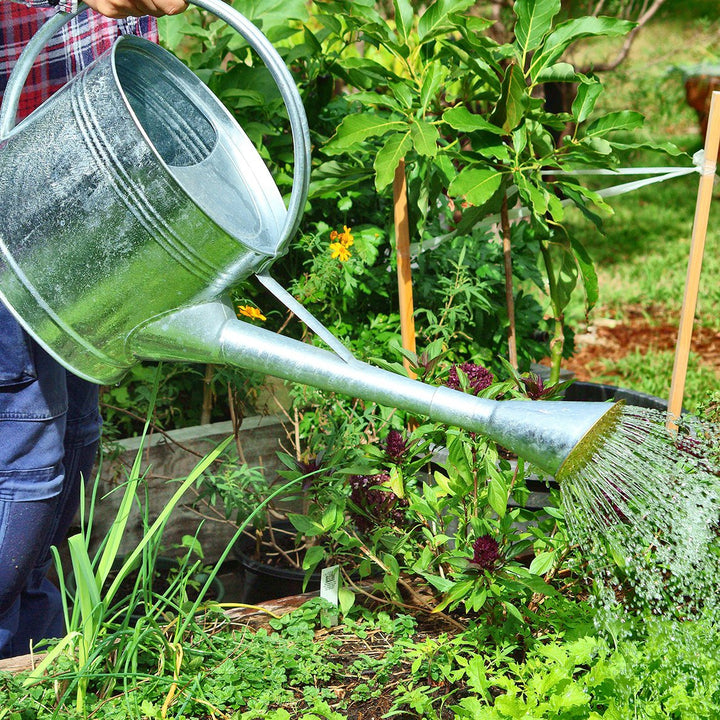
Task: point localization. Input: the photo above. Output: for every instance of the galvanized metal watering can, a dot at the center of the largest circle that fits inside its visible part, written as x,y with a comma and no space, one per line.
132,200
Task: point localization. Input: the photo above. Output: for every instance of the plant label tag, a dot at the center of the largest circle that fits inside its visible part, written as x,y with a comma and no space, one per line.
329,586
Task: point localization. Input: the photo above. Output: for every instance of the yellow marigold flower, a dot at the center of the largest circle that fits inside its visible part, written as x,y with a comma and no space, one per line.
346,236
339,250
252,312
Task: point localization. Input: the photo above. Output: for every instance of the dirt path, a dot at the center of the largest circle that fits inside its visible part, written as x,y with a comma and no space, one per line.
610,340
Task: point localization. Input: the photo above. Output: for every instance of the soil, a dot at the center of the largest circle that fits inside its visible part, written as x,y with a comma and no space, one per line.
609,340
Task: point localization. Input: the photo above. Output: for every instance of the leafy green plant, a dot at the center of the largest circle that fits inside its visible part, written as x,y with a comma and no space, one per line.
460,530
465,113
93,601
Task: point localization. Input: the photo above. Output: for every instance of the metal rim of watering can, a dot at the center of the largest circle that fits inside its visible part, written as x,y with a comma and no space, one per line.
257,41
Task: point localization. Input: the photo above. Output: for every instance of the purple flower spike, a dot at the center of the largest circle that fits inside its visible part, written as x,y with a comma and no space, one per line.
395,446
478,377
376,505
486,552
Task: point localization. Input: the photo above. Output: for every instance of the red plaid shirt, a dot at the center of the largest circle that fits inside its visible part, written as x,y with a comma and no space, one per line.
79,42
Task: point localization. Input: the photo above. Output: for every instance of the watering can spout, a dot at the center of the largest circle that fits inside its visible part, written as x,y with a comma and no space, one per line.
554,436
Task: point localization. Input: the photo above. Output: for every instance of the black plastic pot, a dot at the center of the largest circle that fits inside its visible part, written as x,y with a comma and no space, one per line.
597,392
265,580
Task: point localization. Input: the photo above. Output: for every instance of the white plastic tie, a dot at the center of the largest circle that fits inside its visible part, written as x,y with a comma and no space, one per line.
704,165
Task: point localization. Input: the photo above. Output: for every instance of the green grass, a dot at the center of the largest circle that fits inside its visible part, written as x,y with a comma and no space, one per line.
642,267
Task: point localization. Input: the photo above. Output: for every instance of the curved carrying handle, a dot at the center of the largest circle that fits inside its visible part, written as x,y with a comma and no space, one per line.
256,40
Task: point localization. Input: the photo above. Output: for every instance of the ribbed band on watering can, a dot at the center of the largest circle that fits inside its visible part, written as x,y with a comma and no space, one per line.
148,223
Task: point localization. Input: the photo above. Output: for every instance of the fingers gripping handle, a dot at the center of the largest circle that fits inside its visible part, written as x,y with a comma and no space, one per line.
256,40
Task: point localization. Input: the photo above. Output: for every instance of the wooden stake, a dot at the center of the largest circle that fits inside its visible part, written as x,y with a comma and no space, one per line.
509,292
404,273
697,248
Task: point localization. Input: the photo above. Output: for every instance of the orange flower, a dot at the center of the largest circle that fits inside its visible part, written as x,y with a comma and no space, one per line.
249,311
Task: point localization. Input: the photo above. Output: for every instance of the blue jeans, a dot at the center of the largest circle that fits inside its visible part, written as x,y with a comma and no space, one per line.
49,431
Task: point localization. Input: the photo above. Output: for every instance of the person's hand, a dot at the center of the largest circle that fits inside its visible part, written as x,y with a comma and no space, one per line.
126,8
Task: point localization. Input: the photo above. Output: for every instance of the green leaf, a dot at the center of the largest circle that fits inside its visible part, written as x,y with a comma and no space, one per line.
475,185
404,15
389,156
436,18
359,127
580,195
88,589
621,120
434,75
664,147
584,103
332,518
542,562
314,555
331,177
367,73
443,482
396,483
425,138
460,118
520,138
566,281
476,675
459,591
377,99
559,72
304,524
536,584
404,93
536,198
498,494
534,21
598,145
392,565
587,269
346,599
569,32
513,102
272,13
174,29
512,610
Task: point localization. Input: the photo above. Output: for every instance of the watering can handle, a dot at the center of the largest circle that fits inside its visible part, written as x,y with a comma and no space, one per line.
256,40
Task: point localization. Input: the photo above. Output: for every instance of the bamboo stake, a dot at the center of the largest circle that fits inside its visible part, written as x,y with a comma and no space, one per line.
509,292
697,248
404,273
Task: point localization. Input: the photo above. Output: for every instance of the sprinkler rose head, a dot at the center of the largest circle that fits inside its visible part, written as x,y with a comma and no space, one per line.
590,442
